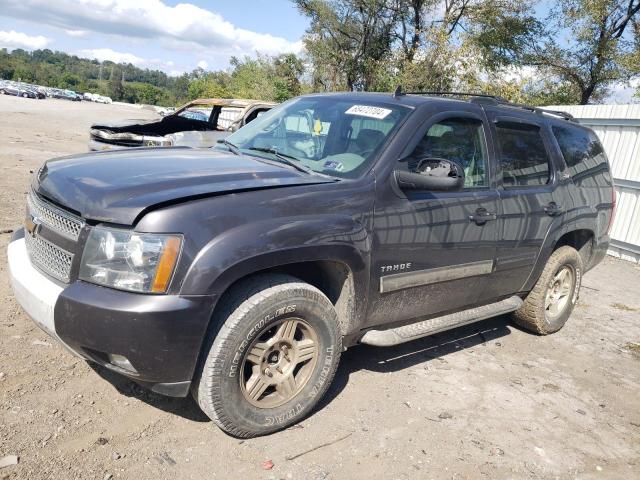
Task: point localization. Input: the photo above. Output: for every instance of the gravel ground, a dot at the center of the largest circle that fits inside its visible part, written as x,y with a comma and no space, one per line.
483,401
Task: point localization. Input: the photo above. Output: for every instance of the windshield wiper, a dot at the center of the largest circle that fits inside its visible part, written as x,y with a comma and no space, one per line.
284,158
232,148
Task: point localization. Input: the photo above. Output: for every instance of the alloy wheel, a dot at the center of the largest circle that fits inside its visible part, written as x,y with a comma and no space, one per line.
279,363
559,292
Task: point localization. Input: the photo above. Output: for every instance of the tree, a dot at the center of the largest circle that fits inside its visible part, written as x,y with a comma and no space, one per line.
115,86
585,44
346,40
208,85
422,44
631,60
288,70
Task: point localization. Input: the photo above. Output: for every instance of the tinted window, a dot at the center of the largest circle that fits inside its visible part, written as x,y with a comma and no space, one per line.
523,158
459,139
578,145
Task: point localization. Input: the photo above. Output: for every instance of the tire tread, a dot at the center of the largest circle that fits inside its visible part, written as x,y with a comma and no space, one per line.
531,315
238,303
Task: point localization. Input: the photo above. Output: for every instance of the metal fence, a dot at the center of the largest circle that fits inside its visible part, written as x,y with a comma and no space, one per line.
618,127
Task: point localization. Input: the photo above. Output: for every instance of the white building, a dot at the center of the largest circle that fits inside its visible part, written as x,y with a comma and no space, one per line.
618,127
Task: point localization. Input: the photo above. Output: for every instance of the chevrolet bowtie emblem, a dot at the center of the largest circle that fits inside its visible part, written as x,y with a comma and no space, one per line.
32,225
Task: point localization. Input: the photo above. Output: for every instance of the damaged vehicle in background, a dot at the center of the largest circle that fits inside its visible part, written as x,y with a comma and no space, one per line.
200,123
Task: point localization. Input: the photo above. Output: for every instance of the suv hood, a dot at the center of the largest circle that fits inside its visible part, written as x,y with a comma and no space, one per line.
120,185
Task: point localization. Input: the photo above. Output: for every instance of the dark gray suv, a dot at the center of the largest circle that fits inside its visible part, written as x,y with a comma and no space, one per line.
241,273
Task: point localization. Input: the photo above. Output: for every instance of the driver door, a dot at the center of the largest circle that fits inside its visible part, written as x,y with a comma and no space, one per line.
434,250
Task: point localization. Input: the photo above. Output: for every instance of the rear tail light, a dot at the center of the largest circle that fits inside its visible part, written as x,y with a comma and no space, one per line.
614,202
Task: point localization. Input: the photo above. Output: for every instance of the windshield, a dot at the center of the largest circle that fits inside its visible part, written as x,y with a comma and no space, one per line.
328,135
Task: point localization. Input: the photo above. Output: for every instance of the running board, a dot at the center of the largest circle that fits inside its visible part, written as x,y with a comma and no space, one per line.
395,336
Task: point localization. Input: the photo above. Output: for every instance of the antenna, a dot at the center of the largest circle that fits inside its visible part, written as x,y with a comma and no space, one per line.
398,92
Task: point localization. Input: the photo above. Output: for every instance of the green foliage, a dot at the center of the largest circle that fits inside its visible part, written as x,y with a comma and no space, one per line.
268,78
574,54
116,87
347,41
584,43
502,47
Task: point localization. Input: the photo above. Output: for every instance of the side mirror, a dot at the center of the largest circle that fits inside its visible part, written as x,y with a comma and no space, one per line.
432,174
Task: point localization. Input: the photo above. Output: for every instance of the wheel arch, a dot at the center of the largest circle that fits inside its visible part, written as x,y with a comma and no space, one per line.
579,238
336,278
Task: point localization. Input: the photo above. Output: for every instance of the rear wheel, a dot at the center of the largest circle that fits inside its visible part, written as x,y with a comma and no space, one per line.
273,358
549,305
25,95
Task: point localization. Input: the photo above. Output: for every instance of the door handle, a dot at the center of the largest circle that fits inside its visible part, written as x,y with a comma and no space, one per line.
553,209
482,216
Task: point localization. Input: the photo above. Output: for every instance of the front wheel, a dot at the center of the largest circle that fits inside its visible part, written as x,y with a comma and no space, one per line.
273,357
549,305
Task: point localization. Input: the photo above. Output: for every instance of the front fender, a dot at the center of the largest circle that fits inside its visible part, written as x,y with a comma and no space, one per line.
257,246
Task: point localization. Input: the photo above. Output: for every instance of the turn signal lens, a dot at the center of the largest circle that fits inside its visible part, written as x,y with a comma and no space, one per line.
166,265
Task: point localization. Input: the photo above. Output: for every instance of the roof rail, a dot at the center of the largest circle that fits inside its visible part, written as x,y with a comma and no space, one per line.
540,111
483,98
457,94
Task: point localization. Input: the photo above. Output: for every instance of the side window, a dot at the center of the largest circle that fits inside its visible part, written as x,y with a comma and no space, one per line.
459,139
197,112
581,149
297,124
523,157
228,116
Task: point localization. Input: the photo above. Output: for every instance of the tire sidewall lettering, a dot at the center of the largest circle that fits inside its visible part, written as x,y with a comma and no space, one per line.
300,405
251,334
576,287
324,373
270,421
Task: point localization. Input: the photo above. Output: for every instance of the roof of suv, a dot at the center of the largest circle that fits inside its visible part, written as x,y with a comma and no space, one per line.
382,97
445,98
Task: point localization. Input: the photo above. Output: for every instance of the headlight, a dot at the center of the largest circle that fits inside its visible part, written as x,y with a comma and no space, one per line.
138,262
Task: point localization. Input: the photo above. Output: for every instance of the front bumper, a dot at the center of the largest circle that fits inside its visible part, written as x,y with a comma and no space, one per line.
160,335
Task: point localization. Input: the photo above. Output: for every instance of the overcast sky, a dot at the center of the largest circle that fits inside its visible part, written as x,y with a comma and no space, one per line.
167,35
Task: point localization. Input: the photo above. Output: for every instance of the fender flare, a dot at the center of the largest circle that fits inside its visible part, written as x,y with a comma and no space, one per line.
258,246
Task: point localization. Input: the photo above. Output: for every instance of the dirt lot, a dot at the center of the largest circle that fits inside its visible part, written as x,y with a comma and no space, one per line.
484,401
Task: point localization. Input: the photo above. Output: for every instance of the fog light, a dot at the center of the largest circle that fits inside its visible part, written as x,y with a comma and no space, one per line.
121,362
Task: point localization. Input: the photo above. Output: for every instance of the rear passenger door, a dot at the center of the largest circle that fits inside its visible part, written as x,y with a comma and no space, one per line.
529,200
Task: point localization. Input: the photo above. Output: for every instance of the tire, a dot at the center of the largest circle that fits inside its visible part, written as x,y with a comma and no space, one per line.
25,95
540,313
257,314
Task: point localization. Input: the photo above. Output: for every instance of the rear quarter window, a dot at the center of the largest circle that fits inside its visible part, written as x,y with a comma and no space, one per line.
523,156
581,149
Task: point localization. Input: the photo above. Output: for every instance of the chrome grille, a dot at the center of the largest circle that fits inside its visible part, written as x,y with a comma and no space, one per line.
55,218
49,258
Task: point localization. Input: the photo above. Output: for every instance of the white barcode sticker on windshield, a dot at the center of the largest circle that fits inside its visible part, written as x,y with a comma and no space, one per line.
368,111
